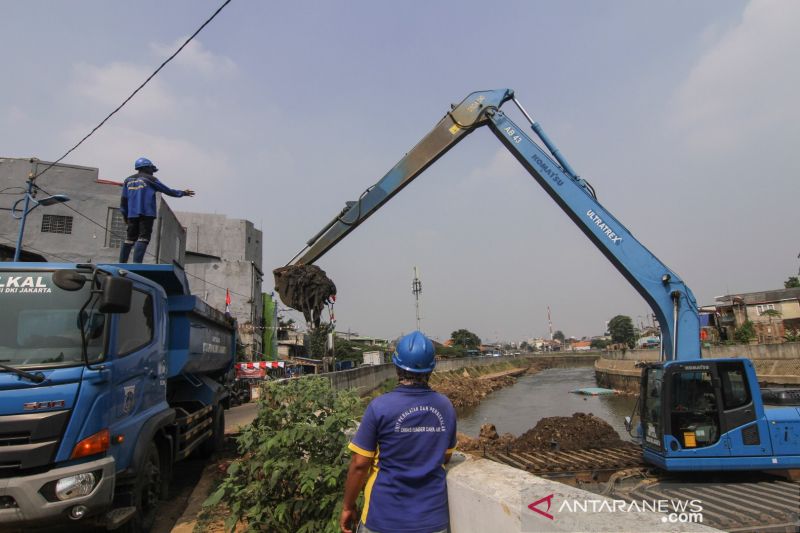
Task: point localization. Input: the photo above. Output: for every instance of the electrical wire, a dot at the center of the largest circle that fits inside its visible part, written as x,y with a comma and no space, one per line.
139,88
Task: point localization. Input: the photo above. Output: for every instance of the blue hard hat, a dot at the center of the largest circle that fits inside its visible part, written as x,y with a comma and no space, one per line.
415,353
143,162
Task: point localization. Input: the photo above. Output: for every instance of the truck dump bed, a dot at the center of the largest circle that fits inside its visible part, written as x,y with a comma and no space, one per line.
201,339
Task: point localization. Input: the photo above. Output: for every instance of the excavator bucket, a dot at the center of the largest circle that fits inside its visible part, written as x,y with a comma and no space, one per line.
305,288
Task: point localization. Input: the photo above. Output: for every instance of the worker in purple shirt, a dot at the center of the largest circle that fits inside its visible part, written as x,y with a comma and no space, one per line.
138,208
405,438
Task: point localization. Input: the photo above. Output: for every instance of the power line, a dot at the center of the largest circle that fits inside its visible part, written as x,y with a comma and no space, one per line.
139,88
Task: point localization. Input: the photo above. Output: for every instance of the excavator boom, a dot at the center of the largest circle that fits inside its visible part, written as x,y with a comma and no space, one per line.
671,300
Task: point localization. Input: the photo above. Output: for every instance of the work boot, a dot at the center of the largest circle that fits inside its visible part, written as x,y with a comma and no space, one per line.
138,251
125,251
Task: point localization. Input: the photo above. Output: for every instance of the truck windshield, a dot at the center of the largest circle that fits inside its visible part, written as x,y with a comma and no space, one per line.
40,322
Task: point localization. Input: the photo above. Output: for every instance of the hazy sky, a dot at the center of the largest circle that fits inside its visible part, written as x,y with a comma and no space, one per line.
683,115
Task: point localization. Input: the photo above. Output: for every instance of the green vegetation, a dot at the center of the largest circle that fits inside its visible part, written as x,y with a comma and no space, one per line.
792,283
559,336
293,461
465,339
745,333
449,351
621,330
599,344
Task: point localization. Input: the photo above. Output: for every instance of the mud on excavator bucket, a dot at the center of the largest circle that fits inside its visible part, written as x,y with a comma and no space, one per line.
305,288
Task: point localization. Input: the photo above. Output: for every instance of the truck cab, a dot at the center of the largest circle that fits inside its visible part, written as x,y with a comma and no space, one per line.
109,374
708,414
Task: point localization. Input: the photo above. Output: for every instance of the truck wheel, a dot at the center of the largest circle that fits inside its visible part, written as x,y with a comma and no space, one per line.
146,493
216,441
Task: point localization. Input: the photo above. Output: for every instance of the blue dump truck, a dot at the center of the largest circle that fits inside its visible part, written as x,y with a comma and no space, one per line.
109,374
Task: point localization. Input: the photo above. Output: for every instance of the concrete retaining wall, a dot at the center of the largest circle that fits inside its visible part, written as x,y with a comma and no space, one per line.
489,496
622,374
368,378
786,350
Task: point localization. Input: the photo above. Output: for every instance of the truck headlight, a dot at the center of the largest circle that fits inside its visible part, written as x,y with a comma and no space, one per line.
75,486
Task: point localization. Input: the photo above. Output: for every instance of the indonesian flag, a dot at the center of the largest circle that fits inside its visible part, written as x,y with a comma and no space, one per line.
227,302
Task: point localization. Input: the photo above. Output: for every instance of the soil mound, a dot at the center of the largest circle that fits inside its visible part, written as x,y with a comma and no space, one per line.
465,391
577,432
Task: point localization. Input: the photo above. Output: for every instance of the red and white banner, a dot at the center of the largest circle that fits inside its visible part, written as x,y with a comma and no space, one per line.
262,364
251,373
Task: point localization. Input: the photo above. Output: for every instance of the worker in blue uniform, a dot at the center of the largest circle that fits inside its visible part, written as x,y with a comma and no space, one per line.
138,208
402,443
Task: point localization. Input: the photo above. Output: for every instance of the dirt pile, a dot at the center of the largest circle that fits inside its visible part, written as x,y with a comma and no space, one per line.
466,391
488,439
577,432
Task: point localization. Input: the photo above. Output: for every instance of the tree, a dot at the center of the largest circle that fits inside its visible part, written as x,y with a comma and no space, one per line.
745,333
559,335
599,344
621,330
318,339
525,346
772,314
465,338
792,283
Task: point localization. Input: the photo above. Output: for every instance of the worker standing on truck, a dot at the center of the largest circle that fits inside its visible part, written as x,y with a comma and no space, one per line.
138,208
405,438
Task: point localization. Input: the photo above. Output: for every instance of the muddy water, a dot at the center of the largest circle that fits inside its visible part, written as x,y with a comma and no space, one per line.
517,408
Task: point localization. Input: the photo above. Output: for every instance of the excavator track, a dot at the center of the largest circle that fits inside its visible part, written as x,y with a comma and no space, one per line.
598,463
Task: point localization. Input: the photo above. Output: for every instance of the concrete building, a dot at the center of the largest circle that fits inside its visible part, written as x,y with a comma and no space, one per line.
57,233
291,344
225,253
773,313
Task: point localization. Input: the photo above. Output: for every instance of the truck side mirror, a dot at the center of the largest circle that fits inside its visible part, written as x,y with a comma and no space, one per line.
116,295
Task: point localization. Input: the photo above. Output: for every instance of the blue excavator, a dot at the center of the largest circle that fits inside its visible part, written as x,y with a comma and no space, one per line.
695,413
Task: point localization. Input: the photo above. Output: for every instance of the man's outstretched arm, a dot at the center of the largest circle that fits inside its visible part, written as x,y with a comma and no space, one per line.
356,478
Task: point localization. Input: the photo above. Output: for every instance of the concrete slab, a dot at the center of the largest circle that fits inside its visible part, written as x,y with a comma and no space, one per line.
488,496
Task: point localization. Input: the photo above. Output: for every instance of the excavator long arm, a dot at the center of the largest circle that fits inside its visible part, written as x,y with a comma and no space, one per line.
670,299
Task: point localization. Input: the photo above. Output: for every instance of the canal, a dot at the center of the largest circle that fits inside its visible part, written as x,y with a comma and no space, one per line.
516,409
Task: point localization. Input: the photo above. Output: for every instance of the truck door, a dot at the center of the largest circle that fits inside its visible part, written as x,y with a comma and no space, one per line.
746,435
137,346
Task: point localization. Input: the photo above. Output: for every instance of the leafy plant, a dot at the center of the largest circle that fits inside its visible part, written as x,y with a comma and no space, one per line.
792,282
293,465
559,335
745,333
792,335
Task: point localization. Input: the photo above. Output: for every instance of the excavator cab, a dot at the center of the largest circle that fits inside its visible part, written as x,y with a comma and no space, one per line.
701,414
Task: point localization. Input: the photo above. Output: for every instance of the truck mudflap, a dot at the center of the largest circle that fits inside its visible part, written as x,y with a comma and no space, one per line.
30,501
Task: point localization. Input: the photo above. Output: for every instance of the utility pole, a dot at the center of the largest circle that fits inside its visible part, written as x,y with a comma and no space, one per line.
416,290
549,322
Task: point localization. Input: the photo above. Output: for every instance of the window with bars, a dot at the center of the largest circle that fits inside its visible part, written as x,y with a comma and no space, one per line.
117,228
56,224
